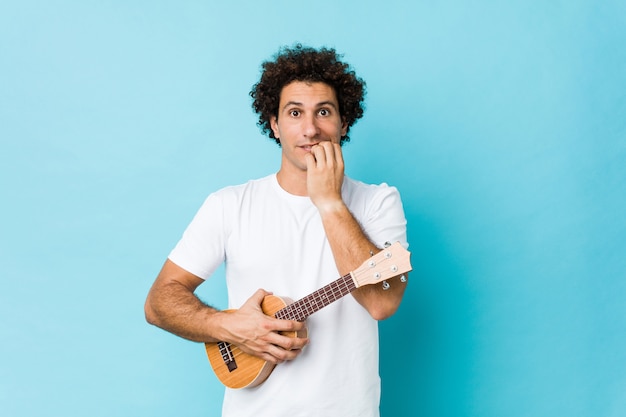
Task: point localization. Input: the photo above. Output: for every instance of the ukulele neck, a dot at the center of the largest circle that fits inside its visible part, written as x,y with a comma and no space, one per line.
304,307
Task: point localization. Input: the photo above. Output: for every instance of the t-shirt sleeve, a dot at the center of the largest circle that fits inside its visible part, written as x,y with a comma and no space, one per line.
384,219
201,248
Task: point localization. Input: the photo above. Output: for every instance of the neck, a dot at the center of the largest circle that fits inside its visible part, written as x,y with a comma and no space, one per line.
293,182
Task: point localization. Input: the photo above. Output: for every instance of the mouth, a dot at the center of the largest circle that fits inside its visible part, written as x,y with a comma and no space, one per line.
308,147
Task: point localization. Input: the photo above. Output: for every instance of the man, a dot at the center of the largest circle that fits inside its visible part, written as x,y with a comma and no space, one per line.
292,233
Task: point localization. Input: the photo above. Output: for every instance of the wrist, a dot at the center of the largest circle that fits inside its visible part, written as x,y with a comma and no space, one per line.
332,207
217,325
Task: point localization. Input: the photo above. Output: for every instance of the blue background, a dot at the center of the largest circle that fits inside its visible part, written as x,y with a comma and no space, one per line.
503,124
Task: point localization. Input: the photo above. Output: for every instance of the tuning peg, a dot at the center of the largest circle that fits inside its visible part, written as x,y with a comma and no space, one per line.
386,285
387,244
402,278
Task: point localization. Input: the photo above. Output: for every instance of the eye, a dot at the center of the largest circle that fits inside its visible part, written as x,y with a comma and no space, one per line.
324,112
294,113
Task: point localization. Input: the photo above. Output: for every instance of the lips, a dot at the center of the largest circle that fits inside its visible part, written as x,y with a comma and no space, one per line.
308,147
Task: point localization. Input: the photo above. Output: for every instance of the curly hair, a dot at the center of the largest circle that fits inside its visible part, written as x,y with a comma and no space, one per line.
300,63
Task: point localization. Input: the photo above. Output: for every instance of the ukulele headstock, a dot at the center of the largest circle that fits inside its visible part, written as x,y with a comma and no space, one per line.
389,262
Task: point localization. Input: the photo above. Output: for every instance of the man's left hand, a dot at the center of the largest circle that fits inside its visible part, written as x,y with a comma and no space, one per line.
325,172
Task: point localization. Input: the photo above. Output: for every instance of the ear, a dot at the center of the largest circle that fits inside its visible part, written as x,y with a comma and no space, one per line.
344,127
274,125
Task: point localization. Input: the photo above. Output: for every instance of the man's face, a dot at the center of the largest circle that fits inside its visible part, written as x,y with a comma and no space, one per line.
308,113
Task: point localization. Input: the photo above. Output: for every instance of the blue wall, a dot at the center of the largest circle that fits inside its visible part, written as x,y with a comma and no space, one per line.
503,124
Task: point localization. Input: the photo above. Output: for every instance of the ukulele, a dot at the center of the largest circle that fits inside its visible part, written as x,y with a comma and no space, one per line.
237,369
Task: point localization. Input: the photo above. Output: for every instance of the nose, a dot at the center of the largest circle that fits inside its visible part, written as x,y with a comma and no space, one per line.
310,127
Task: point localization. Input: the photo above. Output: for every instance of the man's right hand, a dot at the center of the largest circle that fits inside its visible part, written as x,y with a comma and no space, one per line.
257,334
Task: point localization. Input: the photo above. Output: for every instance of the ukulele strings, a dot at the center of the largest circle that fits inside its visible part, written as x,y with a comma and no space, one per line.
309,305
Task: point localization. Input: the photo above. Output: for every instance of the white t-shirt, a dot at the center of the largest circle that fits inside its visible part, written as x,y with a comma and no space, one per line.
274,240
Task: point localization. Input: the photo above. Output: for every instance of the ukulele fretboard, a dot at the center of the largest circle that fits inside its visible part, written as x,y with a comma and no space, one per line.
304,307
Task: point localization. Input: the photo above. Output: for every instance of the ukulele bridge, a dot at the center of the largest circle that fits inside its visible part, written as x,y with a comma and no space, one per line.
227,355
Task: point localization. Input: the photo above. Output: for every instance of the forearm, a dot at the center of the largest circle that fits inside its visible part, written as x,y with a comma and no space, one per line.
172,305
173,308
351,247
